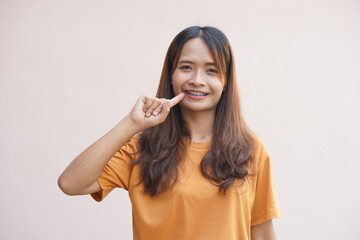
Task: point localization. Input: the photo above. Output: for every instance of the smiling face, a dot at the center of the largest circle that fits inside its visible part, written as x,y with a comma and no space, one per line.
199,77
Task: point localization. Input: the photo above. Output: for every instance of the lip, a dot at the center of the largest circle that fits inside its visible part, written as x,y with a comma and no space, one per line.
195,97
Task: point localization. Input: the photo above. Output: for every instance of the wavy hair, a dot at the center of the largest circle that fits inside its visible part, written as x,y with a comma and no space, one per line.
164,146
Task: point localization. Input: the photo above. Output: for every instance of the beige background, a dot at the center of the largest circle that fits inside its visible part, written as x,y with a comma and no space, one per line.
70,70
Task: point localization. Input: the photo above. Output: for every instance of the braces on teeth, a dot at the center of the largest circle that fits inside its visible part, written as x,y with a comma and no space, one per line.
196,93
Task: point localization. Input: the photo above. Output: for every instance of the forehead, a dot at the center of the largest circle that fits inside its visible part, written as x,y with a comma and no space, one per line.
196,50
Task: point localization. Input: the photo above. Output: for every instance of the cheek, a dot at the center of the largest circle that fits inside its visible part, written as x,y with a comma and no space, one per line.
176,83
218,86
177,79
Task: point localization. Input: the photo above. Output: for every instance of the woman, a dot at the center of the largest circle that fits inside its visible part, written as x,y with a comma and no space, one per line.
192,167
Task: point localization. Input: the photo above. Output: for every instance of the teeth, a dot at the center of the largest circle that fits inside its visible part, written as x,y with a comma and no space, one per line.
196,93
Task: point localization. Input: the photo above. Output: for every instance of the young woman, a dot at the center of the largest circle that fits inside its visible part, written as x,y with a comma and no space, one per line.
192,167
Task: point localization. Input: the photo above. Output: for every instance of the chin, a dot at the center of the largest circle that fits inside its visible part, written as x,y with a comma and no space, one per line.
196,108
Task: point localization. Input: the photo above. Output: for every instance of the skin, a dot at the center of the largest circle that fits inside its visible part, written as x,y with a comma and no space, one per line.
195,72
264,231
80,176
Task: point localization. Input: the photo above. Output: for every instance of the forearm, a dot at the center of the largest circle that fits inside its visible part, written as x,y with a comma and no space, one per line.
81,174
264,231
87,167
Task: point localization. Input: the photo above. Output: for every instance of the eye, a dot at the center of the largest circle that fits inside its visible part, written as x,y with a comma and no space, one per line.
212,70
185,67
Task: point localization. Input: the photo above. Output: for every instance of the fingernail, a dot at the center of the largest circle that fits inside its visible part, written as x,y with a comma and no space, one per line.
148,114
155,113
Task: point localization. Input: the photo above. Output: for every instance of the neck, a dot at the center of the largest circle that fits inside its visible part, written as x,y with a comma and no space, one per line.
200,125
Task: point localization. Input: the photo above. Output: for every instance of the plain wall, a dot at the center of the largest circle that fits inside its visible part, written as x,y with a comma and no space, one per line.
70,70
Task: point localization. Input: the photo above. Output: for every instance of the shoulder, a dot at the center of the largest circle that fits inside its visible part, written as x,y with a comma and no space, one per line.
133,142
260,149
260,153
130,148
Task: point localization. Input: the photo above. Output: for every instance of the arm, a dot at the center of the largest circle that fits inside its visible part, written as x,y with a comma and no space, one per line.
80,176
264,231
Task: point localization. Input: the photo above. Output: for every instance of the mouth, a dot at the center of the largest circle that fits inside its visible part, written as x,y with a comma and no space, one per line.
196,93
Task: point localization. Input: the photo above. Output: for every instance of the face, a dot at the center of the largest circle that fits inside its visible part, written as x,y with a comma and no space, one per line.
198,76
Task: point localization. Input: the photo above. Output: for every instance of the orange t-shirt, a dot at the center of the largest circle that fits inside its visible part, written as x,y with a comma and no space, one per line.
194,208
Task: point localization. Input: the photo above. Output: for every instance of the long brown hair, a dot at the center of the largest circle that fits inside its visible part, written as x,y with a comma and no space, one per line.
163,147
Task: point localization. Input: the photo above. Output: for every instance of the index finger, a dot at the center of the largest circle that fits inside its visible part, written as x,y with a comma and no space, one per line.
175,100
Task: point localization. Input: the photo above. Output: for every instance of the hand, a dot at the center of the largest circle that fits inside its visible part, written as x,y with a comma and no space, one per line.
150,111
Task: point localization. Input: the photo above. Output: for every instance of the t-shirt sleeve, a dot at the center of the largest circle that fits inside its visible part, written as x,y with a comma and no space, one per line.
117,172
265,206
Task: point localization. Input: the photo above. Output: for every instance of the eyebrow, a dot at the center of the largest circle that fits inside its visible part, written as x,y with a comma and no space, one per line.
191,62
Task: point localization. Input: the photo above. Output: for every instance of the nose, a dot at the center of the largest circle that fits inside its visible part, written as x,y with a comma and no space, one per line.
198,79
